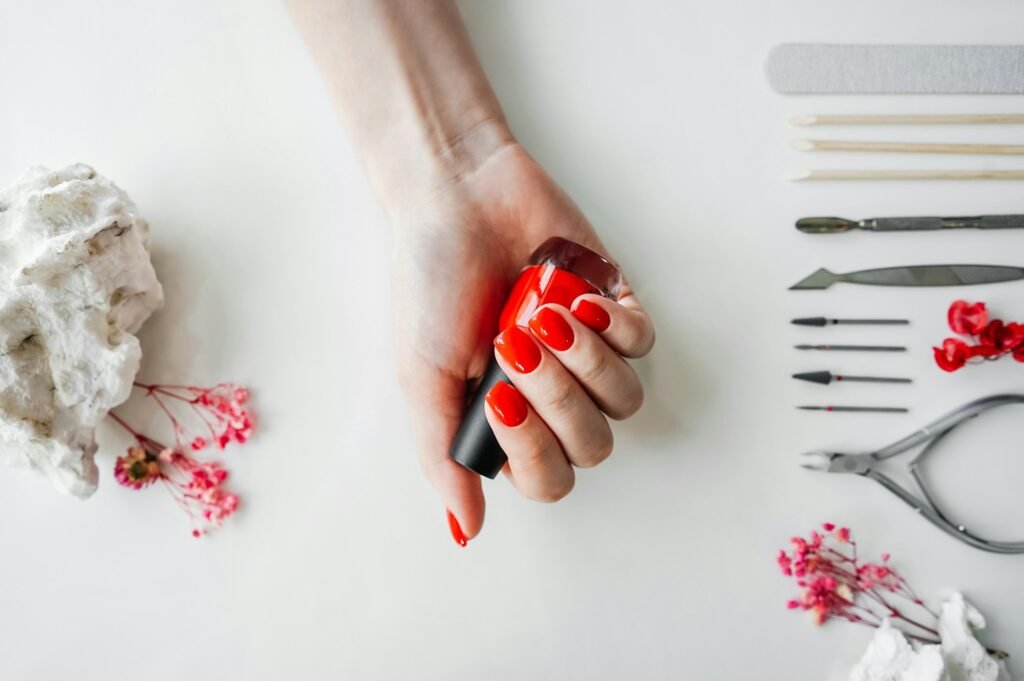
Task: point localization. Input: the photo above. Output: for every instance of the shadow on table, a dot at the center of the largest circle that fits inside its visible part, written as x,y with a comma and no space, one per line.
176,338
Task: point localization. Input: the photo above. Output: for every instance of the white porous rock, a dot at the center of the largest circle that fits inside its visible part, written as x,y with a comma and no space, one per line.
76,283
890,657
959,656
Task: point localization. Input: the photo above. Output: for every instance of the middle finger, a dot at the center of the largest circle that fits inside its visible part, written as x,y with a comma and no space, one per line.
555,396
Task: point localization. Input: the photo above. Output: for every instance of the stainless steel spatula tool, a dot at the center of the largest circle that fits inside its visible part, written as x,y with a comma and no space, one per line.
914,275
831,225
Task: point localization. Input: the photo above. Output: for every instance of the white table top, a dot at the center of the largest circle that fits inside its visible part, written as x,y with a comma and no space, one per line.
656,118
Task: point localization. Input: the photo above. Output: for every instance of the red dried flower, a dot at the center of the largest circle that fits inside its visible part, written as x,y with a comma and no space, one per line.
1001,337
993,339
967,318
953,354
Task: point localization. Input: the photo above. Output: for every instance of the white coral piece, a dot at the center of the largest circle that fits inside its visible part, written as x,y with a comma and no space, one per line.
76,283
959,656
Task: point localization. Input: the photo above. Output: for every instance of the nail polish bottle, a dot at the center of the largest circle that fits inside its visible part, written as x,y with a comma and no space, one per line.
559,271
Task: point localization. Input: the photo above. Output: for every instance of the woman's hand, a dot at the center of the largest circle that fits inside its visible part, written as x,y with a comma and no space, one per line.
459,247
470,206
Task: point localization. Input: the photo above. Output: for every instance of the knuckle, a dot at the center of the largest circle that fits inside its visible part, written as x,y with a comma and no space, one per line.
596,368
637,338
563,398
555,490
533,458
632,339
630,404
596,451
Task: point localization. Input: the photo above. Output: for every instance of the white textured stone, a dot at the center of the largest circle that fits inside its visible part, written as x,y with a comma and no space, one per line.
76,283
959,656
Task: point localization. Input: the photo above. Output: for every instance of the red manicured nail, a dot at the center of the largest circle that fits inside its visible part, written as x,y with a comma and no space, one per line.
508,403
518,349
591,314
457,534
552,328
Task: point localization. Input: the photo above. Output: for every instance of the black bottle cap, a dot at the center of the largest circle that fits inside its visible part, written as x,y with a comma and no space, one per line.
475,446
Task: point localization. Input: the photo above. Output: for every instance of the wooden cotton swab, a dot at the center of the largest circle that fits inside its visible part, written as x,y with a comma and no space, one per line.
907,175
909,119
909,147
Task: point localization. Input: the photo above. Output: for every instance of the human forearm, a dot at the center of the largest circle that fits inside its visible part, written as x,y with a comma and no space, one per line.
407,85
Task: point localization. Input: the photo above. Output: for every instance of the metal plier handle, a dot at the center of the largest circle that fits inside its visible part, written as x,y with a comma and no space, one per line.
932,434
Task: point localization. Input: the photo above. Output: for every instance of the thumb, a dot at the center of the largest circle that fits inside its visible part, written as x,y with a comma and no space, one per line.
438,400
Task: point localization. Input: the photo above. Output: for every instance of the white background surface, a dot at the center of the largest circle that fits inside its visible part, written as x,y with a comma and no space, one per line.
656,118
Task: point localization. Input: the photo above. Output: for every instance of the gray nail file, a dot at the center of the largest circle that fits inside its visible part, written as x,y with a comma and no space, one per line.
798,68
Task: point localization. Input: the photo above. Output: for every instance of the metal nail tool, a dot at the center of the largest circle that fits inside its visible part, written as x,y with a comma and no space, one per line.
833,225
872,410
853,348
826,377
823,321
914,275
930,436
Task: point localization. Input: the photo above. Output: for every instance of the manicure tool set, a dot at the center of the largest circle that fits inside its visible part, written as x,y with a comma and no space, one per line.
901,69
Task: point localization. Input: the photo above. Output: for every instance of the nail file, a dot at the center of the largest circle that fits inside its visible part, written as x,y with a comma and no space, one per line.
829,69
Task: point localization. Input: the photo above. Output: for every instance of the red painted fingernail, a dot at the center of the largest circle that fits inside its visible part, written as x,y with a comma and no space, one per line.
508,403
518,349
552,328
457,534
591,314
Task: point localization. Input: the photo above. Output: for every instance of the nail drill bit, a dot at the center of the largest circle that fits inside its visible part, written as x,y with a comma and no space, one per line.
878,410
853,348
825,377
823,321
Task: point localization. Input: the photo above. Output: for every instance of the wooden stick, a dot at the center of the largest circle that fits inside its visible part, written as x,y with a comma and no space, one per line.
820,174
909,119
909,147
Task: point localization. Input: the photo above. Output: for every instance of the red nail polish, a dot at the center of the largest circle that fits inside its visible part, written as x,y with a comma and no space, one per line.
518,349
552,328
558,273
457,534
508,403
591,314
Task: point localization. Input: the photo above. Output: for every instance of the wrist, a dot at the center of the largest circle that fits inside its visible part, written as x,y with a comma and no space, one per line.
425,158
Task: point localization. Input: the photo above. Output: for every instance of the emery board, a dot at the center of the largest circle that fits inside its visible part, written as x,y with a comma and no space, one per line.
799,68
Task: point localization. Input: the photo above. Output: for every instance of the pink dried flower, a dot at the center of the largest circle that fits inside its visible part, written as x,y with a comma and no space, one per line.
198,486
836,584
221,414
136,469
